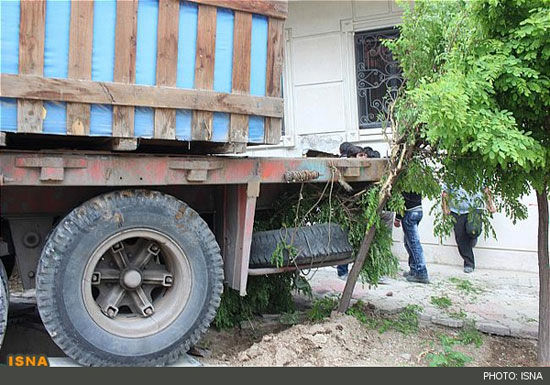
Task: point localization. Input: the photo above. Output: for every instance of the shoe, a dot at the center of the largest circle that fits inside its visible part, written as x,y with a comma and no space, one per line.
414,278
468,269
344,277
406,274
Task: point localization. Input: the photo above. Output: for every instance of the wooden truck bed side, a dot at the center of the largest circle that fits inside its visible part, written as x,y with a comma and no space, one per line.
141,72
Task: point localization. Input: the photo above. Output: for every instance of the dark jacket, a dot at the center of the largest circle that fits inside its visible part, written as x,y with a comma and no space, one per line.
411,200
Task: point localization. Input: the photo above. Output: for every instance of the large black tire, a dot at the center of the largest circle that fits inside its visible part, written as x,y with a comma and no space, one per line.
4,302
61,291
317,244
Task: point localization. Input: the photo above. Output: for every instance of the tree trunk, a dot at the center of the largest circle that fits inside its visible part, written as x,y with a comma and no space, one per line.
401,155
543,351
356,269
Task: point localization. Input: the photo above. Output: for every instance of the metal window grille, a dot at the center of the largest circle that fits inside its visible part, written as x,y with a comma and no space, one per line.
378,76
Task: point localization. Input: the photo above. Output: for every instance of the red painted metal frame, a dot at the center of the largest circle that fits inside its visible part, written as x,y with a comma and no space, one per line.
83,173
107,169
239,212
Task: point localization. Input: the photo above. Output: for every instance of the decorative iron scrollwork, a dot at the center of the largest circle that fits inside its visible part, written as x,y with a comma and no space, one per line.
378,76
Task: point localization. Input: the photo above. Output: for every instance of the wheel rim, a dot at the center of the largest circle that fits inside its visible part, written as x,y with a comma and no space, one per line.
136,283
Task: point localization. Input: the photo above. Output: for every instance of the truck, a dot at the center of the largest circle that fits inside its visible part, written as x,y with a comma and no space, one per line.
127,204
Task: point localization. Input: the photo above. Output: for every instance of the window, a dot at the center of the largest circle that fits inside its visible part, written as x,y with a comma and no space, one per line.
378,76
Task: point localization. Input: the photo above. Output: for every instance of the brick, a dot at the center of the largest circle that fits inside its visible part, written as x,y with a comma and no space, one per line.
493,328
446,321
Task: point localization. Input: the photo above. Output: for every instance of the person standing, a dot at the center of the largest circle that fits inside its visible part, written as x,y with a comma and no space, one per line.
467,228
410,220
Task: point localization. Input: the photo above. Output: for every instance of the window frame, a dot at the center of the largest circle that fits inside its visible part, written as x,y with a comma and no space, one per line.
390,31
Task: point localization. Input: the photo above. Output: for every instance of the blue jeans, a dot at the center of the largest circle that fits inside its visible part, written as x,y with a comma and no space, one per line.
417,262
342,270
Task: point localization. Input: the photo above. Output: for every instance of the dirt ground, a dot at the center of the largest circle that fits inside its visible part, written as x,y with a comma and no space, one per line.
341,340
344,341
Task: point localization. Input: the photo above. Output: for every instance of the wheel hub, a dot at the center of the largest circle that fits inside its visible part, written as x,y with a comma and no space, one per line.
131,279
133,276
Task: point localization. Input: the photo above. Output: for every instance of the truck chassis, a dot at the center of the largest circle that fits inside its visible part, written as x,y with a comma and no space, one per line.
105,205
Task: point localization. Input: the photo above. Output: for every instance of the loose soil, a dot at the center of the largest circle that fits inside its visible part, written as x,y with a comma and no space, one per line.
343,341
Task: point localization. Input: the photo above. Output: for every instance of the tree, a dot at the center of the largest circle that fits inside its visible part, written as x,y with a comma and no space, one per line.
474,112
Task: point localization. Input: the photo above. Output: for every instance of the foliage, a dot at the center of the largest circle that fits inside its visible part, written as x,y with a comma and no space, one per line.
448,358
265,294
466,286
406,322
441,302
476,99
354,211
460,314
322,308
290,318
278,256
470,335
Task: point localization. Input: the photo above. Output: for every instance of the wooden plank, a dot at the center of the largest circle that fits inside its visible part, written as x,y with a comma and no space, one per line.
30,114
273,8
87,91
167,64
201,125
275,61
125,63
238,131
80,62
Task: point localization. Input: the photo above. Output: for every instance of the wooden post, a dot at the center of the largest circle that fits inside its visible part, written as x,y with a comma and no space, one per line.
80,62
30,113
275,58
167,64
238,132
201,127
125,63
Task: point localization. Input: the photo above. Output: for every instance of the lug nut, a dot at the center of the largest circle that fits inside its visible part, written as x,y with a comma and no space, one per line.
169,280
111,312
148,311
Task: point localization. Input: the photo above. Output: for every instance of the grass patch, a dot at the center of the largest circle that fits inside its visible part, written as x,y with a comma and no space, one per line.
465,286
406,322
360,312
321,309
470,335
266,294
448,358
290,318
461,314
443,302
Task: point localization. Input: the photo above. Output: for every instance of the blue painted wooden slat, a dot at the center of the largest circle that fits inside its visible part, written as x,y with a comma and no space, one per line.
56,62
223,69
103,63
258,70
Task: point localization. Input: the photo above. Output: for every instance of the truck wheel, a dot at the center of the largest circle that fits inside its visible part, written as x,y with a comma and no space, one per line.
129,278
4,302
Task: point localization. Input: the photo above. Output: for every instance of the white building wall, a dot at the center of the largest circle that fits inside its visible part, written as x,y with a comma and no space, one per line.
321,112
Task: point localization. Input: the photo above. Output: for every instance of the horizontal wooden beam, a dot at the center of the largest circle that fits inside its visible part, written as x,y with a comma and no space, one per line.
86,91
273,8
